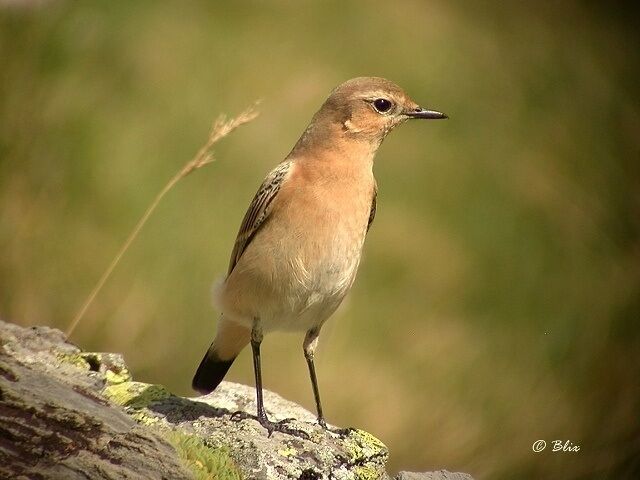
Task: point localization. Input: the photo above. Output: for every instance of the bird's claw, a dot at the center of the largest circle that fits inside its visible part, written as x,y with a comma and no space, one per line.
282,427
341,432
240,415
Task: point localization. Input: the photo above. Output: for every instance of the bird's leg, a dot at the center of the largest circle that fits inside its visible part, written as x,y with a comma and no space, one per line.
309,346
256,340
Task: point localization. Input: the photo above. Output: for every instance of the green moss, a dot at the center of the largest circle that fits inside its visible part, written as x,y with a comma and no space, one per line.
367,472
205,462
135,394
98,362
114,378
367,453
362,444
75,359
288,452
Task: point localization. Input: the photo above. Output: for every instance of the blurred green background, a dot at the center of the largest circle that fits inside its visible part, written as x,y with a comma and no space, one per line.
499,298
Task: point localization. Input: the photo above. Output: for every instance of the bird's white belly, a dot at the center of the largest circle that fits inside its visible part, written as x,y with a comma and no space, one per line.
312,294
291,285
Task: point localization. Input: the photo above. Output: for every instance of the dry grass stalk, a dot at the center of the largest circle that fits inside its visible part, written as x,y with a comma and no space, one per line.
220,129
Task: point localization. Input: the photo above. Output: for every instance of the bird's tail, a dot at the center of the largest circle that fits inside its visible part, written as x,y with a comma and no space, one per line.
210,372
230,340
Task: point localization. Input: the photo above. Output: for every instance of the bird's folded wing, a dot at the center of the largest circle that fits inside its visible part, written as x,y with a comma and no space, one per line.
374,205
259,211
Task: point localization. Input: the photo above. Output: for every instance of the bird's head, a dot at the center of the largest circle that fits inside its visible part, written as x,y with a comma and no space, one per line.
368,108
362,110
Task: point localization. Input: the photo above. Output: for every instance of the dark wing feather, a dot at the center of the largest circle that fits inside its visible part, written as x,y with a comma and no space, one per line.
259,211
374,205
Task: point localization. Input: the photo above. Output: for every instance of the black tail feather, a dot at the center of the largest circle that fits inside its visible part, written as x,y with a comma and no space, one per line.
210,373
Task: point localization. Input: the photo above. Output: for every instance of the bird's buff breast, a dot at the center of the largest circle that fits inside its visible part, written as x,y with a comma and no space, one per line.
298,269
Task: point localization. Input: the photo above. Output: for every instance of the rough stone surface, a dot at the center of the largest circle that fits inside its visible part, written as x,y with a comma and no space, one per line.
54,424
70,414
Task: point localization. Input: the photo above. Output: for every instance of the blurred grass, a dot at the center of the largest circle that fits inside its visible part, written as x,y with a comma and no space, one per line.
499,298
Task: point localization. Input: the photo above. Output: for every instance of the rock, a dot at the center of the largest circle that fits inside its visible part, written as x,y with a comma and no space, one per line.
54,424
67,414
314,454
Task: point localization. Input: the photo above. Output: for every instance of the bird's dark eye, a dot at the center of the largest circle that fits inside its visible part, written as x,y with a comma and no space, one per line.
382,105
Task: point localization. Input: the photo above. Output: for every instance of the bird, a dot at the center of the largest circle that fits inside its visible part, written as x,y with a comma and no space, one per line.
300,242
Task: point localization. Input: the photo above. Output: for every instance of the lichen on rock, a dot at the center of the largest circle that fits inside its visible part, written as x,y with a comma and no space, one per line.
73,414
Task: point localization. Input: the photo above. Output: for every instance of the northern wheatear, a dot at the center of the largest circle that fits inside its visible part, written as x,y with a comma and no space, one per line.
300,243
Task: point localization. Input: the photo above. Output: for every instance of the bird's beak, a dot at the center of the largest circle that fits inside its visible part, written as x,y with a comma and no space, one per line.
419,112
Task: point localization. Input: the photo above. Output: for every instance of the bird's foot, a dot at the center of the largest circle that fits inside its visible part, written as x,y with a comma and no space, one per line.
341,432
282,427
240,415
323,423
